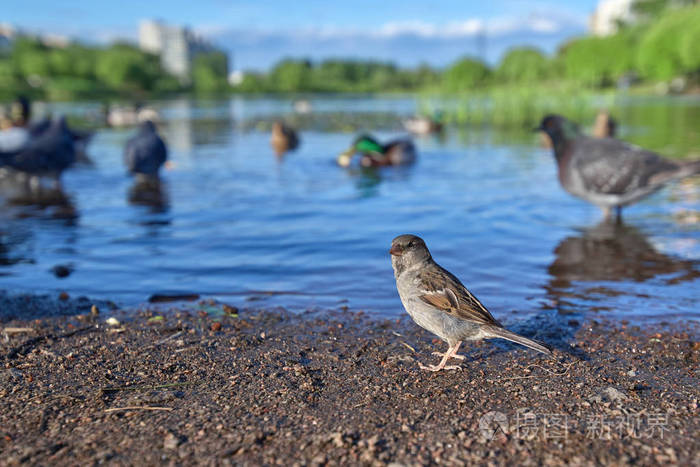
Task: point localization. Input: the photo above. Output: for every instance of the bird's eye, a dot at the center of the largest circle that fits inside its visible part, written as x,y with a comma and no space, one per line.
410,244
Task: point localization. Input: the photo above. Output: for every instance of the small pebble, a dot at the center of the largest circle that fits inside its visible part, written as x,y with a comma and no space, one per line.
112,321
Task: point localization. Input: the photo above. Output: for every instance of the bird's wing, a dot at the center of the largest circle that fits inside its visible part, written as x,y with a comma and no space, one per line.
614,167
130,153
162,151
445,292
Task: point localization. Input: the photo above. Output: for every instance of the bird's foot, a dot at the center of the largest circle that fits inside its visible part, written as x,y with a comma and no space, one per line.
457,356
438,367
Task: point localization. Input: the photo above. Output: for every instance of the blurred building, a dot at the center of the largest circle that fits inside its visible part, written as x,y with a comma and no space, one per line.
608,15
7,36
177,47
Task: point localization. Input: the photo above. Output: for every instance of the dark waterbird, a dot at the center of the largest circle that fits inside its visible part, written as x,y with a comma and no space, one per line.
48,154
145,152
608,172
81,138
283,138
374,154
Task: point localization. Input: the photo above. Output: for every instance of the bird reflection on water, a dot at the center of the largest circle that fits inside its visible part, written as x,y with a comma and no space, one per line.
38,200
614,252
149,192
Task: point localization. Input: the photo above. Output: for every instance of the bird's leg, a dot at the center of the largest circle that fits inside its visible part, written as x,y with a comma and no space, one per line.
454,354
442,365
618,214
607,212
57,185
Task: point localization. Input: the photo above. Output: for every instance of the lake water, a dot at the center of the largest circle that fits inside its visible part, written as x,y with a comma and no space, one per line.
240,223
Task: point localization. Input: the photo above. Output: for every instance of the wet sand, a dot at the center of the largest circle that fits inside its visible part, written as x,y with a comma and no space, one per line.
204,383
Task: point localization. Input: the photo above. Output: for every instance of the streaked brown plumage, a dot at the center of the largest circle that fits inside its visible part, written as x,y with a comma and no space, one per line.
438,302
283,138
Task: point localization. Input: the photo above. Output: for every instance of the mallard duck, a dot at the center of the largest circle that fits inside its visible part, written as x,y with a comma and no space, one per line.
283,138
424,125
374,154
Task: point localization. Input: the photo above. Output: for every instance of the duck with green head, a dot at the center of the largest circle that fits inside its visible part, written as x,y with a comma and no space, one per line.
375,154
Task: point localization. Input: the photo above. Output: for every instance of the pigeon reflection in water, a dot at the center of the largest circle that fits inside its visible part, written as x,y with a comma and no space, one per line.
613,251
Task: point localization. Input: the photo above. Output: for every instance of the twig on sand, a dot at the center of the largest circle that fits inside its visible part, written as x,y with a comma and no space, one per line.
137,407
148,386
163,341
17,330
408,346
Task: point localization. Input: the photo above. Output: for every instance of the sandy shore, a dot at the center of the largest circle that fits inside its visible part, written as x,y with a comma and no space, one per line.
205,383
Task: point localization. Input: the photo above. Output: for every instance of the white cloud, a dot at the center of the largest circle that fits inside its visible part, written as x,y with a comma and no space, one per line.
539,23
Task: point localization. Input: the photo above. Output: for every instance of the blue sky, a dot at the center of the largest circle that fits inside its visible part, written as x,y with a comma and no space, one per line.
257,33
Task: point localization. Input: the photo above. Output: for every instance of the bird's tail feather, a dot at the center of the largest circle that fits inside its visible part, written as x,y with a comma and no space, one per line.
689,168
513,337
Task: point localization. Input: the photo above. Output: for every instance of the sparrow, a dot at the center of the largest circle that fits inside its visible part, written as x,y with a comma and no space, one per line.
605,126
438,302
608,172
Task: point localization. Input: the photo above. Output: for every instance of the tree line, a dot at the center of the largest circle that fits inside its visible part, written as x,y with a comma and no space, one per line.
77,71
663,43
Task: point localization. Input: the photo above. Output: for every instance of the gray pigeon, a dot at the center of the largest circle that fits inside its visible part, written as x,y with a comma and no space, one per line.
145,152
608,172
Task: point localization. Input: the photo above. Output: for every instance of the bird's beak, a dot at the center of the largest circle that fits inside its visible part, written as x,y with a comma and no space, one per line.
395,250
344,158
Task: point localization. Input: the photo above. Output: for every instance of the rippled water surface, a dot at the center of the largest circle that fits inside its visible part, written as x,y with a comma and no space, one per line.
239,222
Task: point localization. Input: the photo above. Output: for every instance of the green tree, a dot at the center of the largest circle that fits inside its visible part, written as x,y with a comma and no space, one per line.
523,64
466,74
125,68
690,48
210,72
291,75
598,61
661,54
30,58
253,82
73,60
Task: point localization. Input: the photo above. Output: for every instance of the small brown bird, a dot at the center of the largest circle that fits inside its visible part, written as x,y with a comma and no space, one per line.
283,138
438,302
605,126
